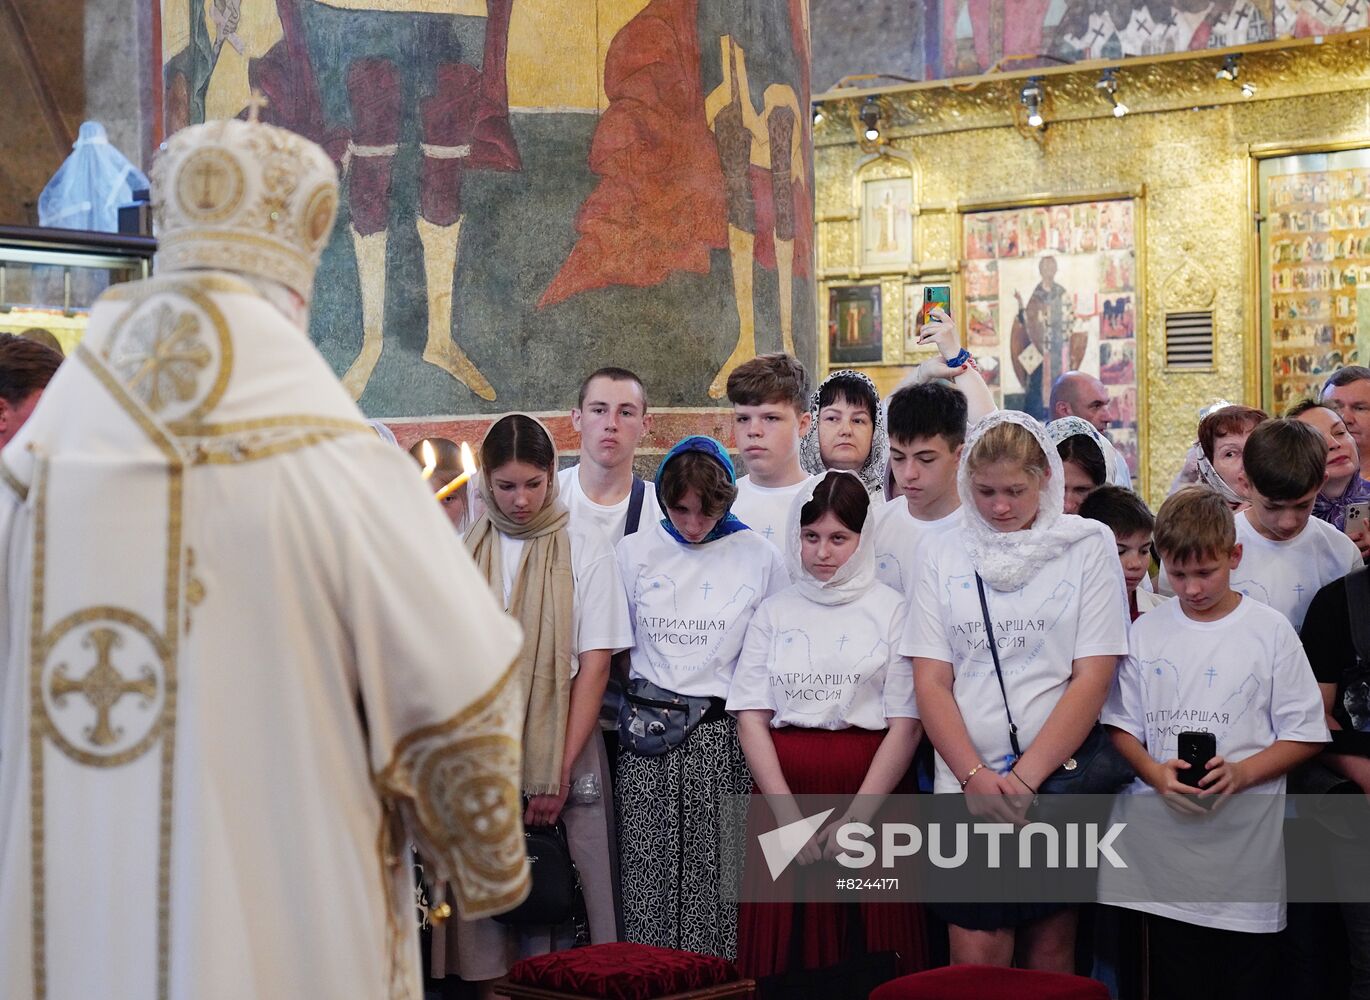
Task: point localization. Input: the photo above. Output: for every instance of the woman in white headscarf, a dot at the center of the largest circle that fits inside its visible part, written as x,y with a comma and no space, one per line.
1086,457
825,705
847,431
1049,587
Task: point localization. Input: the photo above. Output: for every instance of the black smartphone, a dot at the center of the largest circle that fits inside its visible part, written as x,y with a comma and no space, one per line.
1196,750
934,296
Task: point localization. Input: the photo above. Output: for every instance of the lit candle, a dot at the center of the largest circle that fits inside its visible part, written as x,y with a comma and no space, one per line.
430,459
468,467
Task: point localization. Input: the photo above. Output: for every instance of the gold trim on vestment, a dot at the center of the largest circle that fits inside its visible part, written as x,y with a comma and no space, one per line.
472,833
8,477
302,421
136,291
42,651
237,452
173,568
189,289
38,836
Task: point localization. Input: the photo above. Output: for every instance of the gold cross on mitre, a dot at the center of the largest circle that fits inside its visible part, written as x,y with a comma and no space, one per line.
255,104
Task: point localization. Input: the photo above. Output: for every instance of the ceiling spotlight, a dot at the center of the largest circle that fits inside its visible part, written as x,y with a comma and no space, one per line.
1231,70
1108,83
870,117
818,114
1031,98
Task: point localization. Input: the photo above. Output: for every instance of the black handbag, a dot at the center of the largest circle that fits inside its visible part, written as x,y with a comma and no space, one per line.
1095,768
555,896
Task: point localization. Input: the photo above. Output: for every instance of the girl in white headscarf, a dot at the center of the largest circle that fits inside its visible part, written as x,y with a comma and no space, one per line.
1086,457
825,705
1057,609
847,431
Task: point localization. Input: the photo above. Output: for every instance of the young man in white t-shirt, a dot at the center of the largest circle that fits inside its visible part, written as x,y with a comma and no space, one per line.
1221,663
1287,554
612,419
770,397
927,427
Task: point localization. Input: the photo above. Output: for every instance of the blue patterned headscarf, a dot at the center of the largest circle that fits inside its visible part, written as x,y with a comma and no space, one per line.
727,524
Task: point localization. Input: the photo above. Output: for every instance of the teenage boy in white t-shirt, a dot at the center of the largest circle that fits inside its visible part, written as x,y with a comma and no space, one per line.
611,417
1218,662
770,397
1287,554
927,427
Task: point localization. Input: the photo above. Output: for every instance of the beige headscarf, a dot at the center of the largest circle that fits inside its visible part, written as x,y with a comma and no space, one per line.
542,601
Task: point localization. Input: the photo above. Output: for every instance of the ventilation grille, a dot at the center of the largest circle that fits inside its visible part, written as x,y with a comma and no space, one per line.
1189,340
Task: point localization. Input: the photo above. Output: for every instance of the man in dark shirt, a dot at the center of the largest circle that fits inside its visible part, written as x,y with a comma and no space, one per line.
1343,674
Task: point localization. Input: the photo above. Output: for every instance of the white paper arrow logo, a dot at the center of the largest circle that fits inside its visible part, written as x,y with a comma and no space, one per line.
783,844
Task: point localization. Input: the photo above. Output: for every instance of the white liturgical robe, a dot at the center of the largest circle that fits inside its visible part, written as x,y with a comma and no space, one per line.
246,661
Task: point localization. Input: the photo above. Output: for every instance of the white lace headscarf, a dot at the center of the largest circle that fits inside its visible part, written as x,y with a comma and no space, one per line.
872,472
1068,427
854,578
1007,560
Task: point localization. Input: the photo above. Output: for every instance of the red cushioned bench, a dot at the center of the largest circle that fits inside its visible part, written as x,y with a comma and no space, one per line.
624,971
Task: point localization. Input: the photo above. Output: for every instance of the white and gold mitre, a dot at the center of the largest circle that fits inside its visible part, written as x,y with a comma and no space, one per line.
243,196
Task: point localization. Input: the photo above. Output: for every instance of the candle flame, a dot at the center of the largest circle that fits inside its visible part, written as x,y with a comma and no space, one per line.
468,465
430,459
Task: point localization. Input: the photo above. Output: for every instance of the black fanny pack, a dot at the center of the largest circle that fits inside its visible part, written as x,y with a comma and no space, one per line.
652,720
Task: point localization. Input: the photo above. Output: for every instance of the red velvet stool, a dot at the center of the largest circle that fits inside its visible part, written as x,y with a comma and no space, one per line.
624,971
990,982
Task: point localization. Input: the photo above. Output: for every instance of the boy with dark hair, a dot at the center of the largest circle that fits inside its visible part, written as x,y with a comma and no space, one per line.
1289,554
770,397
1192,659
1131,523
612,419
927,427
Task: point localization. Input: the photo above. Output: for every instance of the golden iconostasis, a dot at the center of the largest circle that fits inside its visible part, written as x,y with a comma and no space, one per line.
1110,242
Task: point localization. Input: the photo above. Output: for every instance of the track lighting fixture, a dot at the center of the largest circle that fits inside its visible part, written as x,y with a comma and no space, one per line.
870,118
1031,98
1231,68
1108,83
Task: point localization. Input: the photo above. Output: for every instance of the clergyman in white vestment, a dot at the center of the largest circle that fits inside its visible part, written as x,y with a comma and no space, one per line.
245,661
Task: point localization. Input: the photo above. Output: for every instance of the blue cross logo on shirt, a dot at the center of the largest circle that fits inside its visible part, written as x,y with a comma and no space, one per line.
1210,673
768,532
706,586
1298,590
842,642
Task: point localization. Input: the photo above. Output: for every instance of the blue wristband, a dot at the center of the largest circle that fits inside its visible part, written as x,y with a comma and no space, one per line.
959,360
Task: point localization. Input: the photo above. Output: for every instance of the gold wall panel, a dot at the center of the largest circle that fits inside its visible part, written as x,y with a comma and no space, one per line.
1185,150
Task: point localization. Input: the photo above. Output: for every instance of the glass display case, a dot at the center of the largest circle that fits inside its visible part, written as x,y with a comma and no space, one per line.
49,278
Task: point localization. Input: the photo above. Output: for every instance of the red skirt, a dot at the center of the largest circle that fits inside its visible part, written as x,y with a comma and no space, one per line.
827,762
